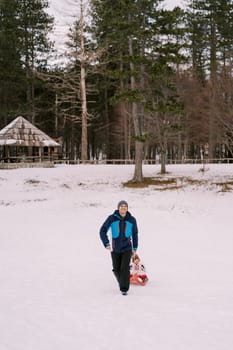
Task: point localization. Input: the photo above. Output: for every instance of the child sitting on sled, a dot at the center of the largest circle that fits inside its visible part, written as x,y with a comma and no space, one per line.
137,271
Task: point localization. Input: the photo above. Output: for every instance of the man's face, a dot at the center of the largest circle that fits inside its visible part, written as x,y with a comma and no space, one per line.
123,209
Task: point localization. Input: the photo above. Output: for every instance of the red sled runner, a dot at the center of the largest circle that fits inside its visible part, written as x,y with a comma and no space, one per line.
137,271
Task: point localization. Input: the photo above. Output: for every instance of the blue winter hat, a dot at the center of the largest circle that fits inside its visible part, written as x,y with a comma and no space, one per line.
122,203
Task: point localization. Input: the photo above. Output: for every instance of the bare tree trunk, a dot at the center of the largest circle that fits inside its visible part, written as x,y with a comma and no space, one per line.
106,114
138,176
213,78
179,152
32,83
29,90
83,88
33,107
84,115
124,118
56,116
162,142
163,157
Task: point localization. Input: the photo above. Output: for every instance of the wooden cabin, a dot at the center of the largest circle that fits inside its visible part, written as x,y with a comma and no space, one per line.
23,143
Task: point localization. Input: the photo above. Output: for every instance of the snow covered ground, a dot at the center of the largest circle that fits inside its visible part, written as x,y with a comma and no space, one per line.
57,288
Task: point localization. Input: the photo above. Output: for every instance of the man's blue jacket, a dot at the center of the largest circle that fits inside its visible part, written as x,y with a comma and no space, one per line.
124,232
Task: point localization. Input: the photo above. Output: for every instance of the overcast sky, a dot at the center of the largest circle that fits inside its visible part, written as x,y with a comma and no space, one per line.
62,9
65,12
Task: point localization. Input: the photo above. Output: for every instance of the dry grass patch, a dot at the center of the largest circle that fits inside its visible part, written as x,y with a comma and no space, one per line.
162,183
194,182
225,186
32,182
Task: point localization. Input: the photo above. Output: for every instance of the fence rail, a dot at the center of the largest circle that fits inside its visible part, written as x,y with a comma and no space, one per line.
67,160
145,161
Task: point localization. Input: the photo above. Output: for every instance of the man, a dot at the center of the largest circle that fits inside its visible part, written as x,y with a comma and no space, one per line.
124,242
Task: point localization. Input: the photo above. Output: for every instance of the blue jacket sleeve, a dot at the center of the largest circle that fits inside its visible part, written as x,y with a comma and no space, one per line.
103,231
135,235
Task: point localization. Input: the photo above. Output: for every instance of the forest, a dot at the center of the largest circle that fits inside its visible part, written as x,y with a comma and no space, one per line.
136,81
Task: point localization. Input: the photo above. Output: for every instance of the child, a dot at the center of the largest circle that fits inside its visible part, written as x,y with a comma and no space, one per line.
137,271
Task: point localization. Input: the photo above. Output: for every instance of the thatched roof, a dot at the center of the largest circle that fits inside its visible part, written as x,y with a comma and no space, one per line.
22,133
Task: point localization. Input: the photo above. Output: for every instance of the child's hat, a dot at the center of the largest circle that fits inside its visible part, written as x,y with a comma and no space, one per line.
122,203
135,256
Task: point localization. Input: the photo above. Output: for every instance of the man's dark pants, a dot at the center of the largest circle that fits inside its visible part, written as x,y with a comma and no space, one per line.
120,264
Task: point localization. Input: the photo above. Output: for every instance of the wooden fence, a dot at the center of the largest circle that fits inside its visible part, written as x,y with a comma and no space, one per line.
18,162
145,161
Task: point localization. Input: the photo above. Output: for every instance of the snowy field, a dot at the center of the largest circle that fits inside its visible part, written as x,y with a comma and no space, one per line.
57,288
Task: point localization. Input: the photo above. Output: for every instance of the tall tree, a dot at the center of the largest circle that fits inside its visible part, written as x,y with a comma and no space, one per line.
34,27
109,26
76,84
11,72
211,21
83,57
166,58
125,27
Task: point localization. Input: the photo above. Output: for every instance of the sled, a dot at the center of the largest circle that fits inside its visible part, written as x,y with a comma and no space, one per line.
135,279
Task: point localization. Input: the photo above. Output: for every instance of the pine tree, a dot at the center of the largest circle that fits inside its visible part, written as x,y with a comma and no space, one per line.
211,38
164,104
34,25
11,72
124,27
